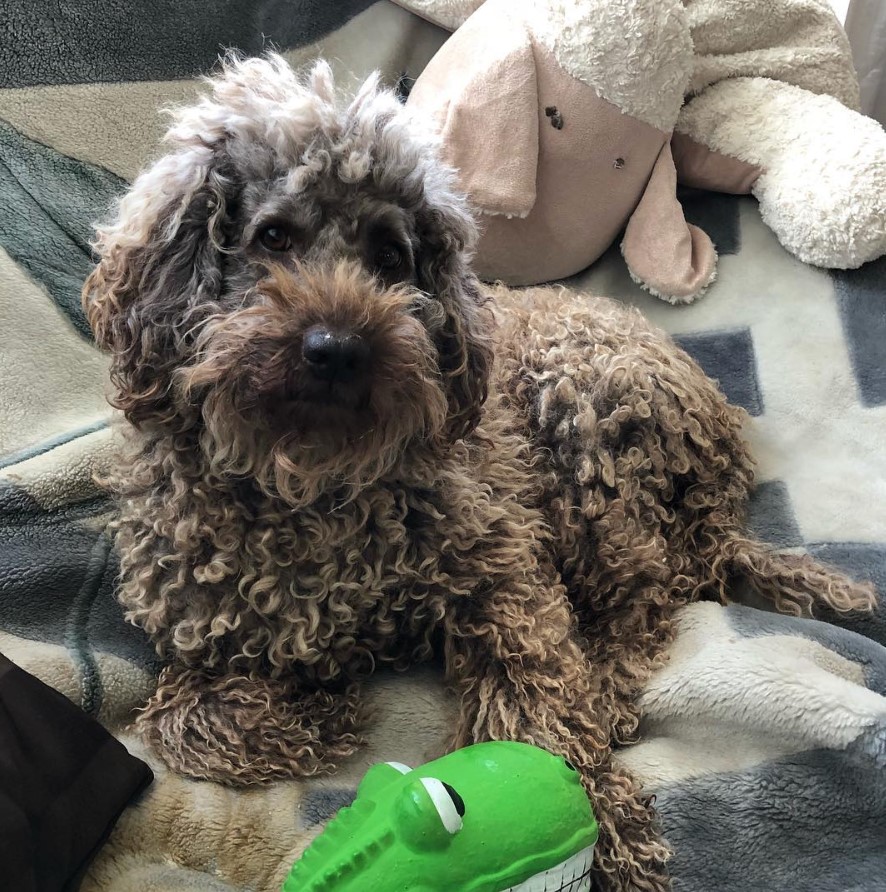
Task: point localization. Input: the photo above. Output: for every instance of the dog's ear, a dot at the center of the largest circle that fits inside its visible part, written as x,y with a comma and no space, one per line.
159,273
464,341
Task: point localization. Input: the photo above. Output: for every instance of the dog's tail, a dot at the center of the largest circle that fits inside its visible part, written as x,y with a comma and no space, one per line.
795,583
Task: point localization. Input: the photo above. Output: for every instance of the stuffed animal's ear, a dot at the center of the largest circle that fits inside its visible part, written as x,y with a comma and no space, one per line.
480,90
667,256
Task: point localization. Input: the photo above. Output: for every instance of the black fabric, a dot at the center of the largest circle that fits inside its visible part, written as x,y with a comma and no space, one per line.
71,42
63,783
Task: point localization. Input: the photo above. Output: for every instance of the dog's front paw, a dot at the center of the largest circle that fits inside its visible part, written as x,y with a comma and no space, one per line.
239,730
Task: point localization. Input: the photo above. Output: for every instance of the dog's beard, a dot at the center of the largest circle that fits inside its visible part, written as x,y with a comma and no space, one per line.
267,418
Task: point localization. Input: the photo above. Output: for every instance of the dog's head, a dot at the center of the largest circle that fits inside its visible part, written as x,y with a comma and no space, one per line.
292,284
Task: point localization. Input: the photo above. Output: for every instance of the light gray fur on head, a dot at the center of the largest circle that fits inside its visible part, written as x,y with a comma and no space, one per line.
285,131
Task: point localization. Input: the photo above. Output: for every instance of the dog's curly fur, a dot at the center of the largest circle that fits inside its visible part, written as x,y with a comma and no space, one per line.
526,483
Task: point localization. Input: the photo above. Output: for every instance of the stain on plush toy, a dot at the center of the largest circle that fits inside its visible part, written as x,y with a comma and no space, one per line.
555,116
619,163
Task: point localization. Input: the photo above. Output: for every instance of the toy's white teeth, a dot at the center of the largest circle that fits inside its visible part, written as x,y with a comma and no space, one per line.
573,875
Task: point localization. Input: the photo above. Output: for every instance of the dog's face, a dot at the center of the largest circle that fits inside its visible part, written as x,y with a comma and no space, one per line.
291,284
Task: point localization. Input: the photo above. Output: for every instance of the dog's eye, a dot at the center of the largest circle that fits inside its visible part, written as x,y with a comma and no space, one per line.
389,257
275,238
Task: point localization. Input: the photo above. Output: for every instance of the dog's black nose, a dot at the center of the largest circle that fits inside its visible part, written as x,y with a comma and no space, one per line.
334,356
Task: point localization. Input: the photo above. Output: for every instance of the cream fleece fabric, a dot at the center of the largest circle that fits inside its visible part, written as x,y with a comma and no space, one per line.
769,696
776,88
823,185
634,53
799,42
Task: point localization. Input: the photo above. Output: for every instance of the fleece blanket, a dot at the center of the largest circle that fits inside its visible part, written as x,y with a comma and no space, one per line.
764,737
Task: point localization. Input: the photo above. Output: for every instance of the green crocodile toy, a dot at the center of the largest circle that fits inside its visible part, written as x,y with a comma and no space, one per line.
493,817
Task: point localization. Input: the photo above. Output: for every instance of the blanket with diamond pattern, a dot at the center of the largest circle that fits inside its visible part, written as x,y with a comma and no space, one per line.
764,737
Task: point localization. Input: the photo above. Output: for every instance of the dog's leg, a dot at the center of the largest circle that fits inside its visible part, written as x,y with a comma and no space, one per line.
242,730
523,676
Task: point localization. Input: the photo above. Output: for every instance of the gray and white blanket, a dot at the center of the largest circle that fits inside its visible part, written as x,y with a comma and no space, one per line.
764,737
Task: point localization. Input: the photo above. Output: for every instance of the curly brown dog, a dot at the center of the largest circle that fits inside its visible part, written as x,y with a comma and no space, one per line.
345,455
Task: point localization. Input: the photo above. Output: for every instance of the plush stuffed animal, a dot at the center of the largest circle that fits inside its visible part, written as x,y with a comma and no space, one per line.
772,110
771,99
558,117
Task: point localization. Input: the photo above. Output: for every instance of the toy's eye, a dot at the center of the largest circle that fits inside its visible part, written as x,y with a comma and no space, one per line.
569,765
457,801
275,238
428,814
389,258
449,805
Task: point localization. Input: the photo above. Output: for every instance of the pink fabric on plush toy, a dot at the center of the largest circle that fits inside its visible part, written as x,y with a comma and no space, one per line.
492,137
559,138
